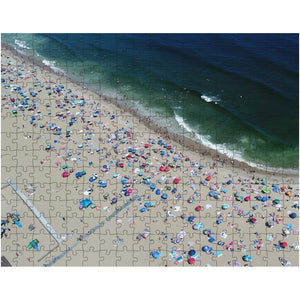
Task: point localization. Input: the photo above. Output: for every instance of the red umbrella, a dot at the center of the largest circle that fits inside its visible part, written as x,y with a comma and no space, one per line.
147,145
176,180
191,261
167,169
198,208
65,174
169,147
161,169
208,178
247,198
283,244
253,220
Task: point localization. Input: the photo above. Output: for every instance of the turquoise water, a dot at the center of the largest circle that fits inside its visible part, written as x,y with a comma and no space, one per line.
238,93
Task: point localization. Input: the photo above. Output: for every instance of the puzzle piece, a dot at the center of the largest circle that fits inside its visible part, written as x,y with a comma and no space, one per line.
111,183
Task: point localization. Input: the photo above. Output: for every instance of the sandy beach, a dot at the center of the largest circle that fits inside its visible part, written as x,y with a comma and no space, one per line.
152,198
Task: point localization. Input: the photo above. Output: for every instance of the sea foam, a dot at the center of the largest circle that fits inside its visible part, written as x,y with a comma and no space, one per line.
52,65
232,154
22,44
210,99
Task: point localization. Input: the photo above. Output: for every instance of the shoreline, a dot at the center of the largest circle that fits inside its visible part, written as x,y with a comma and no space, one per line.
186,142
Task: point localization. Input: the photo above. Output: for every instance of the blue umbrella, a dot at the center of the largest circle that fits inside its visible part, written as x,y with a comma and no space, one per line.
157,192
78,174
206,248
247,258
164,196
293,215
152,186
192,252
212,193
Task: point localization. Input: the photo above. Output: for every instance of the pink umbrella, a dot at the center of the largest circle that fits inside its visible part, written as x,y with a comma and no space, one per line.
191,261
283,244
198,208
176,180
65,174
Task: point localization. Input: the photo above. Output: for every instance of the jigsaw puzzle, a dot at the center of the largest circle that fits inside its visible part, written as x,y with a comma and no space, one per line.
133,150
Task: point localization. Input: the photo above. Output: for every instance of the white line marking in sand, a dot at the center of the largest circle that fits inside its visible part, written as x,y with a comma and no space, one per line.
35,211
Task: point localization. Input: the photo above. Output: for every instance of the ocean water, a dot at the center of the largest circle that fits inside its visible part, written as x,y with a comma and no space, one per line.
237,93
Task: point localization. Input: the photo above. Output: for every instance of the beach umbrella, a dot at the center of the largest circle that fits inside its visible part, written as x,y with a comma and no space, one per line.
157,192
276,201
253,220
164,196
191,261
167,169
198,208
176,180
190,200
92,179
161,169
293,215
208,178
206,249
190,219
288,193
162,152
229,182
225,206
152,186
247,258
146,145
206,231
192,252
212,193
78,175
155,254
265,190
283,244
247,198
174,191
65,174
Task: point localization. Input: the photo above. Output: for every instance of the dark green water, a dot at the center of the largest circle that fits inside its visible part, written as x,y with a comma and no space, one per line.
238,93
